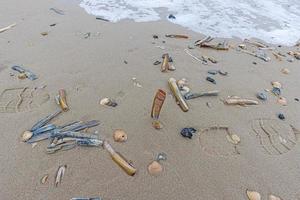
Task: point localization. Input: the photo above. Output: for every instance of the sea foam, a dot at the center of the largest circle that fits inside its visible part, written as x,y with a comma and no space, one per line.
275,21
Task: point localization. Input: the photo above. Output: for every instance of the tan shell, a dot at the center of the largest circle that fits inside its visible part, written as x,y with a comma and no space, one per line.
282,101
104,101
272,197
285,71
155,168
26,136
44,179
182,82
253,195
120,135
276,84
22,76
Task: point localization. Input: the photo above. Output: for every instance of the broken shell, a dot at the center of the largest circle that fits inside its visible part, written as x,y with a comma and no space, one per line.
285,71
155,168
182,82
282,101
44,179
272,197
26,136
120,135
276,84
171,68
253,195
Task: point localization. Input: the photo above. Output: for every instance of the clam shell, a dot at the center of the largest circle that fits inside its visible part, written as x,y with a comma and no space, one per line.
253,195
26,136
44,179
285,71
120,135
272,197
276,84
282,101
155,168
104,101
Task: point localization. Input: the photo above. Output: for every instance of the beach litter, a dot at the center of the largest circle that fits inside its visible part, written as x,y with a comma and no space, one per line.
108,102
171,16
120,135
188,132
155,167
57,11
61,100
295,54
157,104
235,100
253,195
7,27
177,94
31,76
60,174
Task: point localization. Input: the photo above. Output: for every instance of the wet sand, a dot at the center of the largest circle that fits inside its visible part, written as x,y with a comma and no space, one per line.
205,167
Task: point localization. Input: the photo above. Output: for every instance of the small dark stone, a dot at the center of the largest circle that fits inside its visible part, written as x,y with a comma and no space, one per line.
296,99
157,62
171,16
210,79
261,96
155,36
279,46
125,62
188,132
223,73
254,63
163,41
276,91
52,24
212,72
281,116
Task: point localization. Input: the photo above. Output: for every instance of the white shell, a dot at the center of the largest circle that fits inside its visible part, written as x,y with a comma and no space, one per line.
253,195
272,197
276,84
26,136
105,101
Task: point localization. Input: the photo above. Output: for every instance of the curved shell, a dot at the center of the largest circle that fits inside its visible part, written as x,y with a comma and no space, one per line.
155,168
26,136
120,135
272,197
253,195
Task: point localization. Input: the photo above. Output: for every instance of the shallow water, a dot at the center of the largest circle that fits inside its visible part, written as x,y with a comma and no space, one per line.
275,21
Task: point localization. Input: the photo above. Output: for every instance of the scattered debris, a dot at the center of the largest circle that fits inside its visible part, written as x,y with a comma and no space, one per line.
295,54
281,116
158,102
223,73
254,63
189,96
253,195
208,104
87,35
210,79
7,27
188,132
102,19
44,179
262,96
171,16
120,135
125,62
22,76
296,99
195,57
57,11
59,174
239,101
120,160
276,84
290,60
22,70
218,46
177,94
52,24
177,36
136,83
108,102
166,63
61,100
255,43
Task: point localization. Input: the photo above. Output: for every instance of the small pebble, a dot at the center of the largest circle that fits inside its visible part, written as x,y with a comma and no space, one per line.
208,104
125,62
296,99
254,63
171,16
212,72
157,62
155,36
276,91
290,60
261,96
281,116
223,73
188,132
210,79
52,24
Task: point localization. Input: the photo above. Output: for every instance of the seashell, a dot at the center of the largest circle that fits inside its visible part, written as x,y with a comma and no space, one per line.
44,33
44,179
276,84
272,197
253,195
108,102
26,136
285,71
182,82
234,139
184,90
120,135
22,76
171,68
282,101
155,168
242,46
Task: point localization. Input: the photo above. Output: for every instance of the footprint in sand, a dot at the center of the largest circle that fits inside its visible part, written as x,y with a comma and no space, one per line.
217,140
275,137
22,99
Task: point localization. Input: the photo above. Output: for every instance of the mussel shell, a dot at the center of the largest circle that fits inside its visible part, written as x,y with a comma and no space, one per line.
26,136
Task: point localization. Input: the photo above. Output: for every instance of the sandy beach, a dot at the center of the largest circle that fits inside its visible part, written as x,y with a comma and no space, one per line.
206,167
